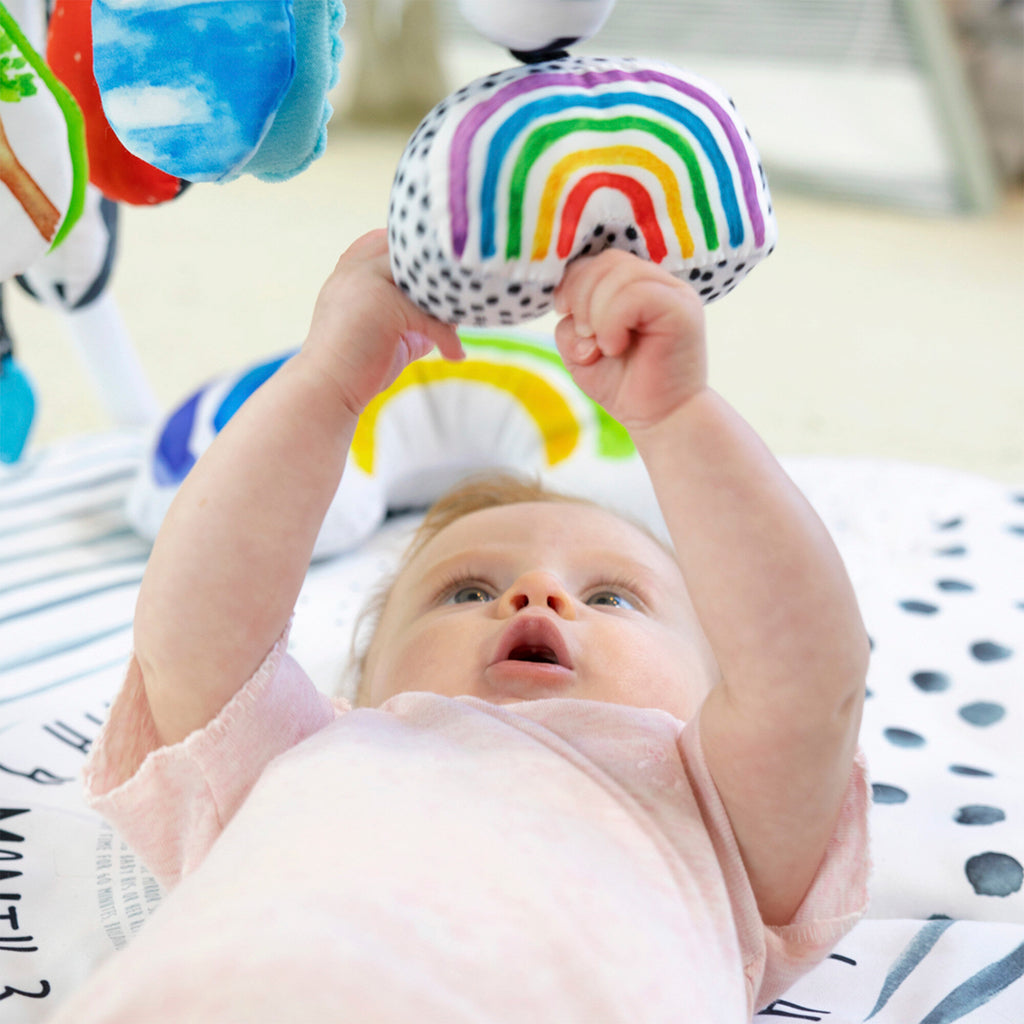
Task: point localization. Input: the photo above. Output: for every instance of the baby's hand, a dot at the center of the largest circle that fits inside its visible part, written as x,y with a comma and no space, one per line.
632,337
365,331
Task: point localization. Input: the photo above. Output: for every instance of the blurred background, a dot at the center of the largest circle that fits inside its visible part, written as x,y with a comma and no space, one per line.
889,323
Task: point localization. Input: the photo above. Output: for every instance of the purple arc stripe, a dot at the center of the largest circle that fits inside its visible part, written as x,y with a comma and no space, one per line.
462,141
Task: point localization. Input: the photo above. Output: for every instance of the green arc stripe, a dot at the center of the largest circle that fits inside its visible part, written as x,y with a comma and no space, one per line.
547,135
613,441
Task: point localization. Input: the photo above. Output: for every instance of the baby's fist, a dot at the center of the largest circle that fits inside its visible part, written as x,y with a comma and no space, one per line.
632,336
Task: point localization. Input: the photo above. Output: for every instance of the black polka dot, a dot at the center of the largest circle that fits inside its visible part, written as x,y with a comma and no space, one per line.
882,793
983,713
979,814
1018,530
903,737
931,682
988,650
974,773
919,607
953,551
954,586
950,524
994,874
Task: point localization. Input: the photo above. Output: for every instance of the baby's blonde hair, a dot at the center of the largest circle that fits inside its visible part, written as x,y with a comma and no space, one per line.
475,494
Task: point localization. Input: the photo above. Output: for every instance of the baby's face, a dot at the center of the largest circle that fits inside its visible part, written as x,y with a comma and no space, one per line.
539,600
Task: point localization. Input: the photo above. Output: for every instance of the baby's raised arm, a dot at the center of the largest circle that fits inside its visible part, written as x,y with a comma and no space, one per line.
233,551
780,729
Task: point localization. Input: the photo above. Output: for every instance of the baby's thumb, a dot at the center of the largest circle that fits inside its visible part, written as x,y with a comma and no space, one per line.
413,345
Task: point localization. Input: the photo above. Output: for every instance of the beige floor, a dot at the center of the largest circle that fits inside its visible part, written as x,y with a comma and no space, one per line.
870,332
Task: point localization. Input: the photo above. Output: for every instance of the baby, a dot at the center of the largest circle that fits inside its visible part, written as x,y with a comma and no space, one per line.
592,778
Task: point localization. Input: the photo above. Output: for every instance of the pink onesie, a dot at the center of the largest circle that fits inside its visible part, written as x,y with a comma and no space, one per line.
442,861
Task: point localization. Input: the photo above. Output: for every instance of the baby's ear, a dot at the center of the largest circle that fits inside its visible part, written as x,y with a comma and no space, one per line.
513,176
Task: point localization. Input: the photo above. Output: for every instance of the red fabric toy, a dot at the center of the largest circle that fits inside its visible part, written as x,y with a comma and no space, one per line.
118,174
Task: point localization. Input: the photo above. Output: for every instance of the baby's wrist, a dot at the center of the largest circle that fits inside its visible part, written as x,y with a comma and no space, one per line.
319,390
672,428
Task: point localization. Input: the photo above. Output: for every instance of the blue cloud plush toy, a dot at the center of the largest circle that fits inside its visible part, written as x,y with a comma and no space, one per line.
208,89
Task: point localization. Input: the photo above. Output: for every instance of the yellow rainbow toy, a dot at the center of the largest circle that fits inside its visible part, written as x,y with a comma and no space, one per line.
510,404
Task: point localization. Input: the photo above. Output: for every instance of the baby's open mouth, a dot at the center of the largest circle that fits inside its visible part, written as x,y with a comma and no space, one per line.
528,652
533,639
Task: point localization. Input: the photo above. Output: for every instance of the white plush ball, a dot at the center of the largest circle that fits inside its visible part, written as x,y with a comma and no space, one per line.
534,26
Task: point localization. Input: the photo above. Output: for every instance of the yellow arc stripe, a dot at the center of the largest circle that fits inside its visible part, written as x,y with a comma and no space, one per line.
555,420
608,156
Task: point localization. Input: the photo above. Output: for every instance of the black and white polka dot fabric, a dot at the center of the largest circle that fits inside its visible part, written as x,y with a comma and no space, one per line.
516,174
937,559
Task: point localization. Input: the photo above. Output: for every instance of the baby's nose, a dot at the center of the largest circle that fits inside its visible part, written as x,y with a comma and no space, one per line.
539,589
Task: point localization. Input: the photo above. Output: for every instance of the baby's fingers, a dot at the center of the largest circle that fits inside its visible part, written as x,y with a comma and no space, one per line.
592,291
574,348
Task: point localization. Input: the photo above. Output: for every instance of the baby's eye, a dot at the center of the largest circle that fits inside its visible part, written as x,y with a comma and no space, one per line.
469,594
609,599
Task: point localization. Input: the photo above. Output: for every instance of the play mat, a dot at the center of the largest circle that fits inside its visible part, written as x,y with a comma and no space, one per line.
937,558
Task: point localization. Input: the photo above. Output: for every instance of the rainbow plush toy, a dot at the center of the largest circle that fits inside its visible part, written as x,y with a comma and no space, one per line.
514,175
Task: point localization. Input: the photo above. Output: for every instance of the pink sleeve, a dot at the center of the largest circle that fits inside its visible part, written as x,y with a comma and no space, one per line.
774,957
171,802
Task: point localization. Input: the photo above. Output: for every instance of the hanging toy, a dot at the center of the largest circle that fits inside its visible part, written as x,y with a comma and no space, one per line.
118,174
518,173
536,30
17,401
42,149
208,91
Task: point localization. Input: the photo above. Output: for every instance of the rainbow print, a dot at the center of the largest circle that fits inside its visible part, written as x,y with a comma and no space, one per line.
524,371
525,160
